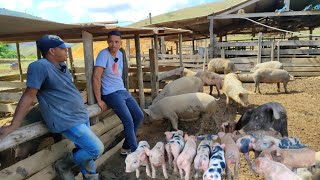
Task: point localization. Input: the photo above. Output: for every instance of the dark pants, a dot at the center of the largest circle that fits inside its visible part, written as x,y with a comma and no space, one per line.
129,112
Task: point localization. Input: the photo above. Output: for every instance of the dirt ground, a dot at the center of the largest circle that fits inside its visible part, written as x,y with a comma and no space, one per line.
303,110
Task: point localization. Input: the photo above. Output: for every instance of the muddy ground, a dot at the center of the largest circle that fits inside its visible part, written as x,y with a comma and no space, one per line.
303,109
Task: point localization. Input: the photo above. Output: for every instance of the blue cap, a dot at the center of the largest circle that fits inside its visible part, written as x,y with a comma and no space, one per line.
51,41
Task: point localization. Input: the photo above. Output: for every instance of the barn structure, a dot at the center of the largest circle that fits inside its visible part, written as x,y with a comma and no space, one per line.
106,125
281,30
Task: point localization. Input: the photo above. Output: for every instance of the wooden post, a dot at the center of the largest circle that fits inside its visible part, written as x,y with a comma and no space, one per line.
87,40
272,50
205,56
193,48
177,47
139,71
128,50
71,64
223,54
180,50
259,47
154,73
278,51
38,54
287,4
19,61
211,48
163,48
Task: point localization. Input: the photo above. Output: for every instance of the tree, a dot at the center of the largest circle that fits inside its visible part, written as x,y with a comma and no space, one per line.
6,52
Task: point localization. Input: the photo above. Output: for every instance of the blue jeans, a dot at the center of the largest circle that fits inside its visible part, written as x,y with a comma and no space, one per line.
88,146
129,112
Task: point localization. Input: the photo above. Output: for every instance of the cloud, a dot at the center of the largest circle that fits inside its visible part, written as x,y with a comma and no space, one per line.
49,4
17,5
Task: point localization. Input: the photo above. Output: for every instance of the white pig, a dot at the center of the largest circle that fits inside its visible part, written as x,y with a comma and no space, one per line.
270,75
220,65
157,158
273,170
201,161
186,157
174,146
188,107
180,86
232,88
138,158
269,64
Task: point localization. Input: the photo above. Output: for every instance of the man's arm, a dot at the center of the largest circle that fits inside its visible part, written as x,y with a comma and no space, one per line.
96,79
21,111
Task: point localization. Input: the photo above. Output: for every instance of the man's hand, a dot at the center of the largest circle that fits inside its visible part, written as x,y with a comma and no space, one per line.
5,130
102,105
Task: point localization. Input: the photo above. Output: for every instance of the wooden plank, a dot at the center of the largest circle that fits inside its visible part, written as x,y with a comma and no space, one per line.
34,130
139,71
300,43
48,156
5,84
154,73
87,39
259,47
303,69
13,77
267,14
304,74
8,107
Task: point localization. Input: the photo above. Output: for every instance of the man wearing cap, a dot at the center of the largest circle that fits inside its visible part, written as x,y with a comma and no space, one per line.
109,90
61,106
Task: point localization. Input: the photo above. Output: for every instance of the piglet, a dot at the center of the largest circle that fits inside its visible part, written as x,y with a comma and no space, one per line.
156,157
245,145
186,157
217,163
266,142
292,158
272,170
232,154
174,147
138,158
201,161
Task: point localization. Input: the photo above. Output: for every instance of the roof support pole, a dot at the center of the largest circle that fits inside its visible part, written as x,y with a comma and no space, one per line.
193,47
211,47
87,40
163,48
180,50
272,50
139,71
38,54
19,61
154,69
70,56
259,47
177,47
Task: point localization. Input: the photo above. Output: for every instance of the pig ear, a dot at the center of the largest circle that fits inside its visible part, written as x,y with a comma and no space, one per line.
221,134
147,150
258,163
186,136
168,134
275,111
180,132
147,111
214,137
223,146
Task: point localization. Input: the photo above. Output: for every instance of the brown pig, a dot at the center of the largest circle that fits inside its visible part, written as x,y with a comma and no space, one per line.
186,157
202,159
157,158
232,154
272,170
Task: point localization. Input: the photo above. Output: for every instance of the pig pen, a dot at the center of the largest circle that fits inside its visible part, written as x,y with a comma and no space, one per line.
303,112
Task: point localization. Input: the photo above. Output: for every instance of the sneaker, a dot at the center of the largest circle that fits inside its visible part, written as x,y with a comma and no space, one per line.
91,176
125,152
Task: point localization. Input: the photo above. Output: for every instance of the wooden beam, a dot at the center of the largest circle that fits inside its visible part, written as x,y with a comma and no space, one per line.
34,130
241,6
154,71
259,48
180,50
5,84
19,62
48,156
267,14
70,56
139,71
211,48
8,107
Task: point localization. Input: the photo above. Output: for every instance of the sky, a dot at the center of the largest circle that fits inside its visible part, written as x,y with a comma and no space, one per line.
80,11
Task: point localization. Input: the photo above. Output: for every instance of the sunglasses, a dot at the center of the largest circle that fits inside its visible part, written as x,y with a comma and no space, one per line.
116,60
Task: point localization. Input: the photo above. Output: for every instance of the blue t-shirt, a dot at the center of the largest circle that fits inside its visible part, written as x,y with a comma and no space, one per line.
60,101
112,75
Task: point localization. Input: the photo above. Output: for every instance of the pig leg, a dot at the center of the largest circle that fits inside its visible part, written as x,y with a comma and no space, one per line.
169,155
236,167
278,86
148,170
285,87
174,122
218,91
211,88
153,171
137,173
246,156
164,170
228,170
181,172
187,171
